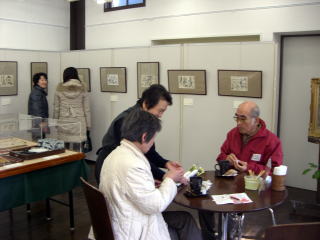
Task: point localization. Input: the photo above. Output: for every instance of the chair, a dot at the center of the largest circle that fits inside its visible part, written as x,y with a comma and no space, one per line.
295,231
98,210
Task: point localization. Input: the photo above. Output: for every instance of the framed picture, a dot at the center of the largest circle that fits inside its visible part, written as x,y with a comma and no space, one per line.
84,75
8,78
147,74
314,123
113,79
187,82
240,83
37,67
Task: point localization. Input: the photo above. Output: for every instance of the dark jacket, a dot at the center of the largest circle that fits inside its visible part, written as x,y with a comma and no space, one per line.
38,104
112,139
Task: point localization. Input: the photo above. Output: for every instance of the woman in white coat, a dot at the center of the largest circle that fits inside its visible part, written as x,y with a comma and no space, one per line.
135,204
72,108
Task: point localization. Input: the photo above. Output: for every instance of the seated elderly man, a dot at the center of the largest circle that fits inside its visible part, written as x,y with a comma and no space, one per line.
250,145
127,183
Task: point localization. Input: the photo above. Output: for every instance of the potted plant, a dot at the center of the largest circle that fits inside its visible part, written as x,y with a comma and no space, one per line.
314,169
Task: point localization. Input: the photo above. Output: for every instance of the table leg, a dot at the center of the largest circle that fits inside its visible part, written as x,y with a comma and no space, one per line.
28,208
272,215
220,226
71,211
48,209
225,217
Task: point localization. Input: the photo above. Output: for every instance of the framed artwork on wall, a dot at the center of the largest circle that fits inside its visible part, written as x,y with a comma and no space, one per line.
147,74
187,82
240,83
37,67
113,79
314,123
8,78
84,75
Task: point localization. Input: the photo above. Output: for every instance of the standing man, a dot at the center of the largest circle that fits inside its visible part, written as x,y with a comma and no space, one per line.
250,145
154,100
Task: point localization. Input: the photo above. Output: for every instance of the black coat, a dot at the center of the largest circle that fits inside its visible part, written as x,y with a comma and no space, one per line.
38,104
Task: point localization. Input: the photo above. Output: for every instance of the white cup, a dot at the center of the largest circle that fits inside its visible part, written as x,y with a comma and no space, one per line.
280,171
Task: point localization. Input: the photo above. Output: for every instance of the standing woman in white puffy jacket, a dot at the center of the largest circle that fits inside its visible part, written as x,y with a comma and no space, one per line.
72,108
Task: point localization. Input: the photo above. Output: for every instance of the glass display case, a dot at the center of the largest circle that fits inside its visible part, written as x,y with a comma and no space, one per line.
25,137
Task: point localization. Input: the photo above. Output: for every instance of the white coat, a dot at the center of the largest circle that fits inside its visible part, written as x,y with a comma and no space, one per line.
134,204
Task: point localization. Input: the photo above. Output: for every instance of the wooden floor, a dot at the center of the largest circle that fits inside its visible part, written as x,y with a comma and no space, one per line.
18,225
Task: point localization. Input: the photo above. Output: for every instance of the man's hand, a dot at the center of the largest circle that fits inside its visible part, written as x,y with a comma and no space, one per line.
241,165
232,158
172,165
176,174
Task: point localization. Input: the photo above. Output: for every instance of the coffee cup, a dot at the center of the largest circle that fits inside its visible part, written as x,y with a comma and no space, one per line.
196,184
223,166
278,178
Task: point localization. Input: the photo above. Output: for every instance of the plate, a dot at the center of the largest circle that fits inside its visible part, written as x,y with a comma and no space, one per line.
217,174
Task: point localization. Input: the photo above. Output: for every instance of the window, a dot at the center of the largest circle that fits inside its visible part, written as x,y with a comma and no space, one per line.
123,4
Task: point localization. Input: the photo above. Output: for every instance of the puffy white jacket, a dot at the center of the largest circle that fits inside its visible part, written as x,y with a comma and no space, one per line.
71,106
134,203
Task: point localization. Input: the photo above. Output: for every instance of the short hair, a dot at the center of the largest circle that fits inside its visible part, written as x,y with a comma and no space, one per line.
139,122
36,77
255,112
70,73
152,95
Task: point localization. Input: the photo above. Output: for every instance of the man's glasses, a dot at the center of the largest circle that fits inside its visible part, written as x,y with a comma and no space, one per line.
241,118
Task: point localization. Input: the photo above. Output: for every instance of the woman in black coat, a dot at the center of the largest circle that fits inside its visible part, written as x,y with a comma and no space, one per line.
38,105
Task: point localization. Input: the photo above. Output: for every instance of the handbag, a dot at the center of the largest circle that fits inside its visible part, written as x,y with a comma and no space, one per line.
87,146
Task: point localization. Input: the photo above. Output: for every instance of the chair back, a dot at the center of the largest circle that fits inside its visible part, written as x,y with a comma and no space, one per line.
295,231
98,210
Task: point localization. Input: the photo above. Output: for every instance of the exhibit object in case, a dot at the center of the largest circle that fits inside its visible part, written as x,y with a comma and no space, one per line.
24,137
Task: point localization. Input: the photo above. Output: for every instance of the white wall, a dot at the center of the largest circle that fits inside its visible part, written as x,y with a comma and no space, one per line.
19,103
191,134
34,24
167,19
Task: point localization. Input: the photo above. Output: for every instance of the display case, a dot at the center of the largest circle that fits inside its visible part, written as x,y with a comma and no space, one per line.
24,137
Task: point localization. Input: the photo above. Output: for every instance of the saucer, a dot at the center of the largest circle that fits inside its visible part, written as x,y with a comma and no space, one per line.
194,195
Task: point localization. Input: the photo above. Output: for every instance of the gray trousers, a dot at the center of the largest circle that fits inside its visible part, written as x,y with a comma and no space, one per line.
181,226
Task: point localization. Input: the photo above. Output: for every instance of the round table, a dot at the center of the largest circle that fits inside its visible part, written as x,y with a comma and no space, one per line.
225,185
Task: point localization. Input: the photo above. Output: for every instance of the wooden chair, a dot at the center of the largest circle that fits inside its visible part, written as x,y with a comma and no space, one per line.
98,210
295,231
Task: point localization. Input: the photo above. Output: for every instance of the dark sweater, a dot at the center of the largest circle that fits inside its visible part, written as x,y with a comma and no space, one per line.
112,139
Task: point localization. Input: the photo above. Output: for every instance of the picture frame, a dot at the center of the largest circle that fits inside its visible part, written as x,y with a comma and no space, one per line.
8,78
84,77
187,82
37,67
147,74
113,79
314,122
240,83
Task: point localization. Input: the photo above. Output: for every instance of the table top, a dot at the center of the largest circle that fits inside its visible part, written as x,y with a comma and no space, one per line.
39,163
222,185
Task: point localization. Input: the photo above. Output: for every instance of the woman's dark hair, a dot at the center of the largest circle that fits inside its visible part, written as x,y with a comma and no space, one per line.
70,73
36,77
153,94
139,122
